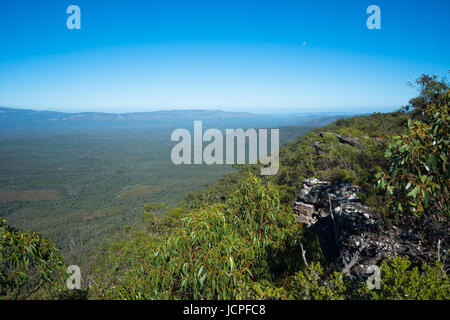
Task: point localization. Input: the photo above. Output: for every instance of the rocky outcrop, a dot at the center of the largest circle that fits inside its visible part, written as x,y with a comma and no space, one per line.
353,141
318,147
352,235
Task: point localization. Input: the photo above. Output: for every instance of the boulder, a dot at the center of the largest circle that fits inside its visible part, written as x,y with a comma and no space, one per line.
353,141
352,235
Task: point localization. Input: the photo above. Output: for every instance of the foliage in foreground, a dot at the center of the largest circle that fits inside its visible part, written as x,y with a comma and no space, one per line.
248,248
417,180
244,242
399,280
28,262
213,252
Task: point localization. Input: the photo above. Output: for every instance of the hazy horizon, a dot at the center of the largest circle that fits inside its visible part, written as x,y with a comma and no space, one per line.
258,57
150,110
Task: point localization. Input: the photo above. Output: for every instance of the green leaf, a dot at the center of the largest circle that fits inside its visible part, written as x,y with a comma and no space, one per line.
413,192
432,161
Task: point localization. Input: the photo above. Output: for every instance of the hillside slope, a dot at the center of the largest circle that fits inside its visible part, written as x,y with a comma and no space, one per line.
241,238
362,194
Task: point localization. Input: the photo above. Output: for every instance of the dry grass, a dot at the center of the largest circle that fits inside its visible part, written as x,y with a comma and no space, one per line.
29,195
138,191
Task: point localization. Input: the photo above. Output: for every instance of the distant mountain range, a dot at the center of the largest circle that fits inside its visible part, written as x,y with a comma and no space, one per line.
7,114
13,120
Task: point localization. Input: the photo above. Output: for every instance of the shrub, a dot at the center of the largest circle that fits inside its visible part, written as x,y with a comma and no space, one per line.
212,253
399,280
314,284
27,262
417,179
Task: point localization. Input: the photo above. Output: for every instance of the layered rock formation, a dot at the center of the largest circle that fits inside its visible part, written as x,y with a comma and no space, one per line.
353,141
351,234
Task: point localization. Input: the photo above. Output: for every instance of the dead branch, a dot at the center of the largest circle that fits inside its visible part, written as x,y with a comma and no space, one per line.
355,257
304,255
439,250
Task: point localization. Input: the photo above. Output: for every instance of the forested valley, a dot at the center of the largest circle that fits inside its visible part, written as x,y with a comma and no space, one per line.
363,191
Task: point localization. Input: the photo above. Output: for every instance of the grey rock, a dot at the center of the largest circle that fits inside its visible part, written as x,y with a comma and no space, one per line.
354,232
353,141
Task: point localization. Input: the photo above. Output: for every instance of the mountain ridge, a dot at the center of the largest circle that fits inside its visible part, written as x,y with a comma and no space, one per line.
145,115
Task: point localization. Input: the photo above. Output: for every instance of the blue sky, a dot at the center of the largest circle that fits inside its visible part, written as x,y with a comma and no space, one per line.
258,56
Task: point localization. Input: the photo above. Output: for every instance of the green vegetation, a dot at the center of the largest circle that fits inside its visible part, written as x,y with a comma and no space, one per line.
80,187
418,178
240,239
301,159
400,281
100,181
209,254
28,262
247,248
